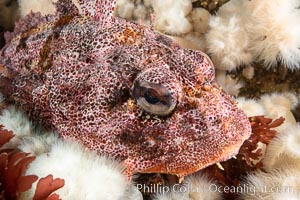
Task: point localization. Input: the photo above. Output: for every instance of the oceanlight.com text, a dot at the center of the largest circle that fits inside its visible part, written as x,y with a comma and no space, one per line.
243,188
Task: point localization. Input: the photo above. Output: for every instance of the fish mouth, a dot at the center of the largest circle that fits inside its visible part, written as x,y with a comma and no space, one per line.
194,155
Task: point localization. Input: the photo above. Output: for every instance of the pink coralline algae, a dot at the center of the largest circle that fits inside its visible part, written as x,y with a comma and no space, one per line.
121,89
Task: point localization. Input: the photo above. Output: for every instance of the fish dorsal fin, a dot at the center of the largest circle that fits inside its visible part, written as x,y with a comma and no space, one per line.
101,10
67,7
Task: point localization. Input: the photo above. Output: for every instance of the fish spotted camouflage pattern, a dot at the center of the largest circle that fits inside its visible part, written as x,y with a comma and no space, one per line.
121,89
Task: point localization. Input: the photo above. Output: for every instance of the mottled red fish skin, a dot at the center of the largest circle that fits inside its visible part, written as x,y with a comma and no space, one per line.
74,72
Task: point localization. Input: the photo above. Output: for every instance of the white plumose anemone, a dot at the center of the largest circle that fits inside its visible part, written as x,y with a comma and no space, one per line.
68,160
194,187
273,27
44,6
227,39
284,150
125,9
266,31
87,175
16,121
251,107
273,185
285,102
171,16
200,18
229,85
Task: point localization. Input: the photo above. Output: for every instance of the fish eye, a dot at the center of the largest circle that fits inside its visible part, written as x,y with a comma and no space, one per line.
153,98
